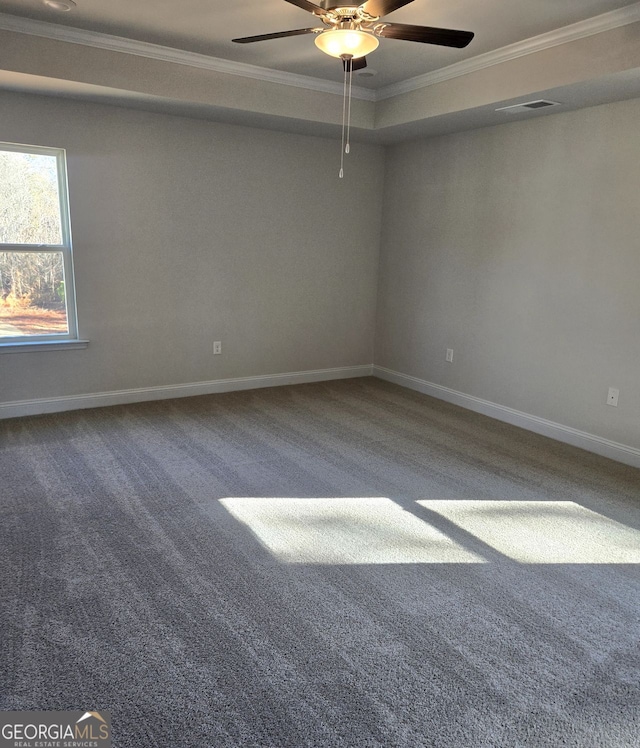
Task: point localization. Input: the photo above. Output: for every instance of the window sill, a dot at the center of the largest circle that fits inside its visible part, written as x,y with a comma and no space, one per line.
43,345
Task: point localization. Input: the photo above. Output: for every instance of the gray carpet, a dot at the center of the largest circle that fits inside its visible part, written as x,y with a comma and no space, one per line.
338,564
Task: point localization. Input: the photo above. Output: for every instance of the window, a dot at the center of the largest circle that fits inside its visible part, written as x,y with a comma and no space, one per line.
37,299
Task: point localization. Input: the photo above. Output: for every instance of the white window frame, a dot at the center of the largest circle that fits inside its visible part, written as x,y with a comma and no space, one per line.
21,343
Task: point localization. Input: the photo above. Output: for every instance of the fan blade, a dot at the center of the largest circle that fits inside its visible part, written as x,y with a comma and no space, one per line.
381,8
359,64
426,35
277,35
306,5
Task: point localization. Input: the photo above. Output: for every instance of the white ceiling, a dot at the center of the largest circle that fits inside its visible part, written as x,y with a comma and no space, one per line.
177,56
207,27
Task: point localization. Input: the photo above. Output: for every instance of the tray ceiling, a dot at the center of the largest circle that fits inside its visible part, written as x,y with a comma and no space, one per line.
207,27
177,57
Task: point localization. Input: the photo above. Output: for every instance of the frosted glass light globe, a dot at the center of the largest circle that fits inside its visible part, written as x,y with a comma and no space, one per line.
339,42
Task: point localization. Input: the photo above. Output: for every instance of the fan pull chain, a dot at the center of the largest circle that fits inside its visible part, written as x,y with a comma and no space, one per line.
350,66
344,113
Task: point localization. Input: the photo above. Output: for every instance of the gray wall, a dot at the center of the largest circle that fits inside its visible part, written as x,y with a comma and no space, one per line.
519,247
186,232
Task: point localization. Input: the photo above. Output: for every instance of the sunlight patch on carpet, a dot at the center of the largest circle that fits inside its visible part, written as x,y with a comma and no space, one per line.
543,532
373,530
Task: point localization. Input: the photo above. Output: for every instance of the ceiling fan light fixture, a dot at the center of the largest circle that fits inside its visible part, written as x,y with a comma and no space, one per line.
346,42
60,5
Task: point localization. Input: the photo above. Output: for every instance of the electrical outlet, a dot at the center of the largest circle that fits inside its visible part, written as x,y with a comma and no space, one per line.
450,355
217,347
612,397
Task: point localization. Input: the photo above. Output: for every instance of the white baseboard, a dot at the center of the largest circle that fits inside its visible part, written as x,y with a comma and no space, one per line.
590,442
143,394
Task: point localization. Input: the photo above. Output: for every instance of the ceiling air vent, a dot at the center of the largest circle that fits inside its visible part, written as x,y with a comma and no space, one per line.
527,105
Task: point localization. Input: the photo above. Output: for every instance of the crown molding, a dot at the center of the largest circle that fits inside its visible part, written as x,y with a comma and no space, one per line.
177,56
591,26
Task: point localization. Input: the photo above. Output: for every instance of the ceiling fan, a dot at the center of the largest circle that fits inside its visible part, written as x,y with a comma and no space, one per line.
351,31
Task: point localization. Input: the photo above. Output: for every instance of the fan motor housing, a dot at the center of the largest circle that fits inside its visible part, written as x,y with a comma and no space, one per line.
333,5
